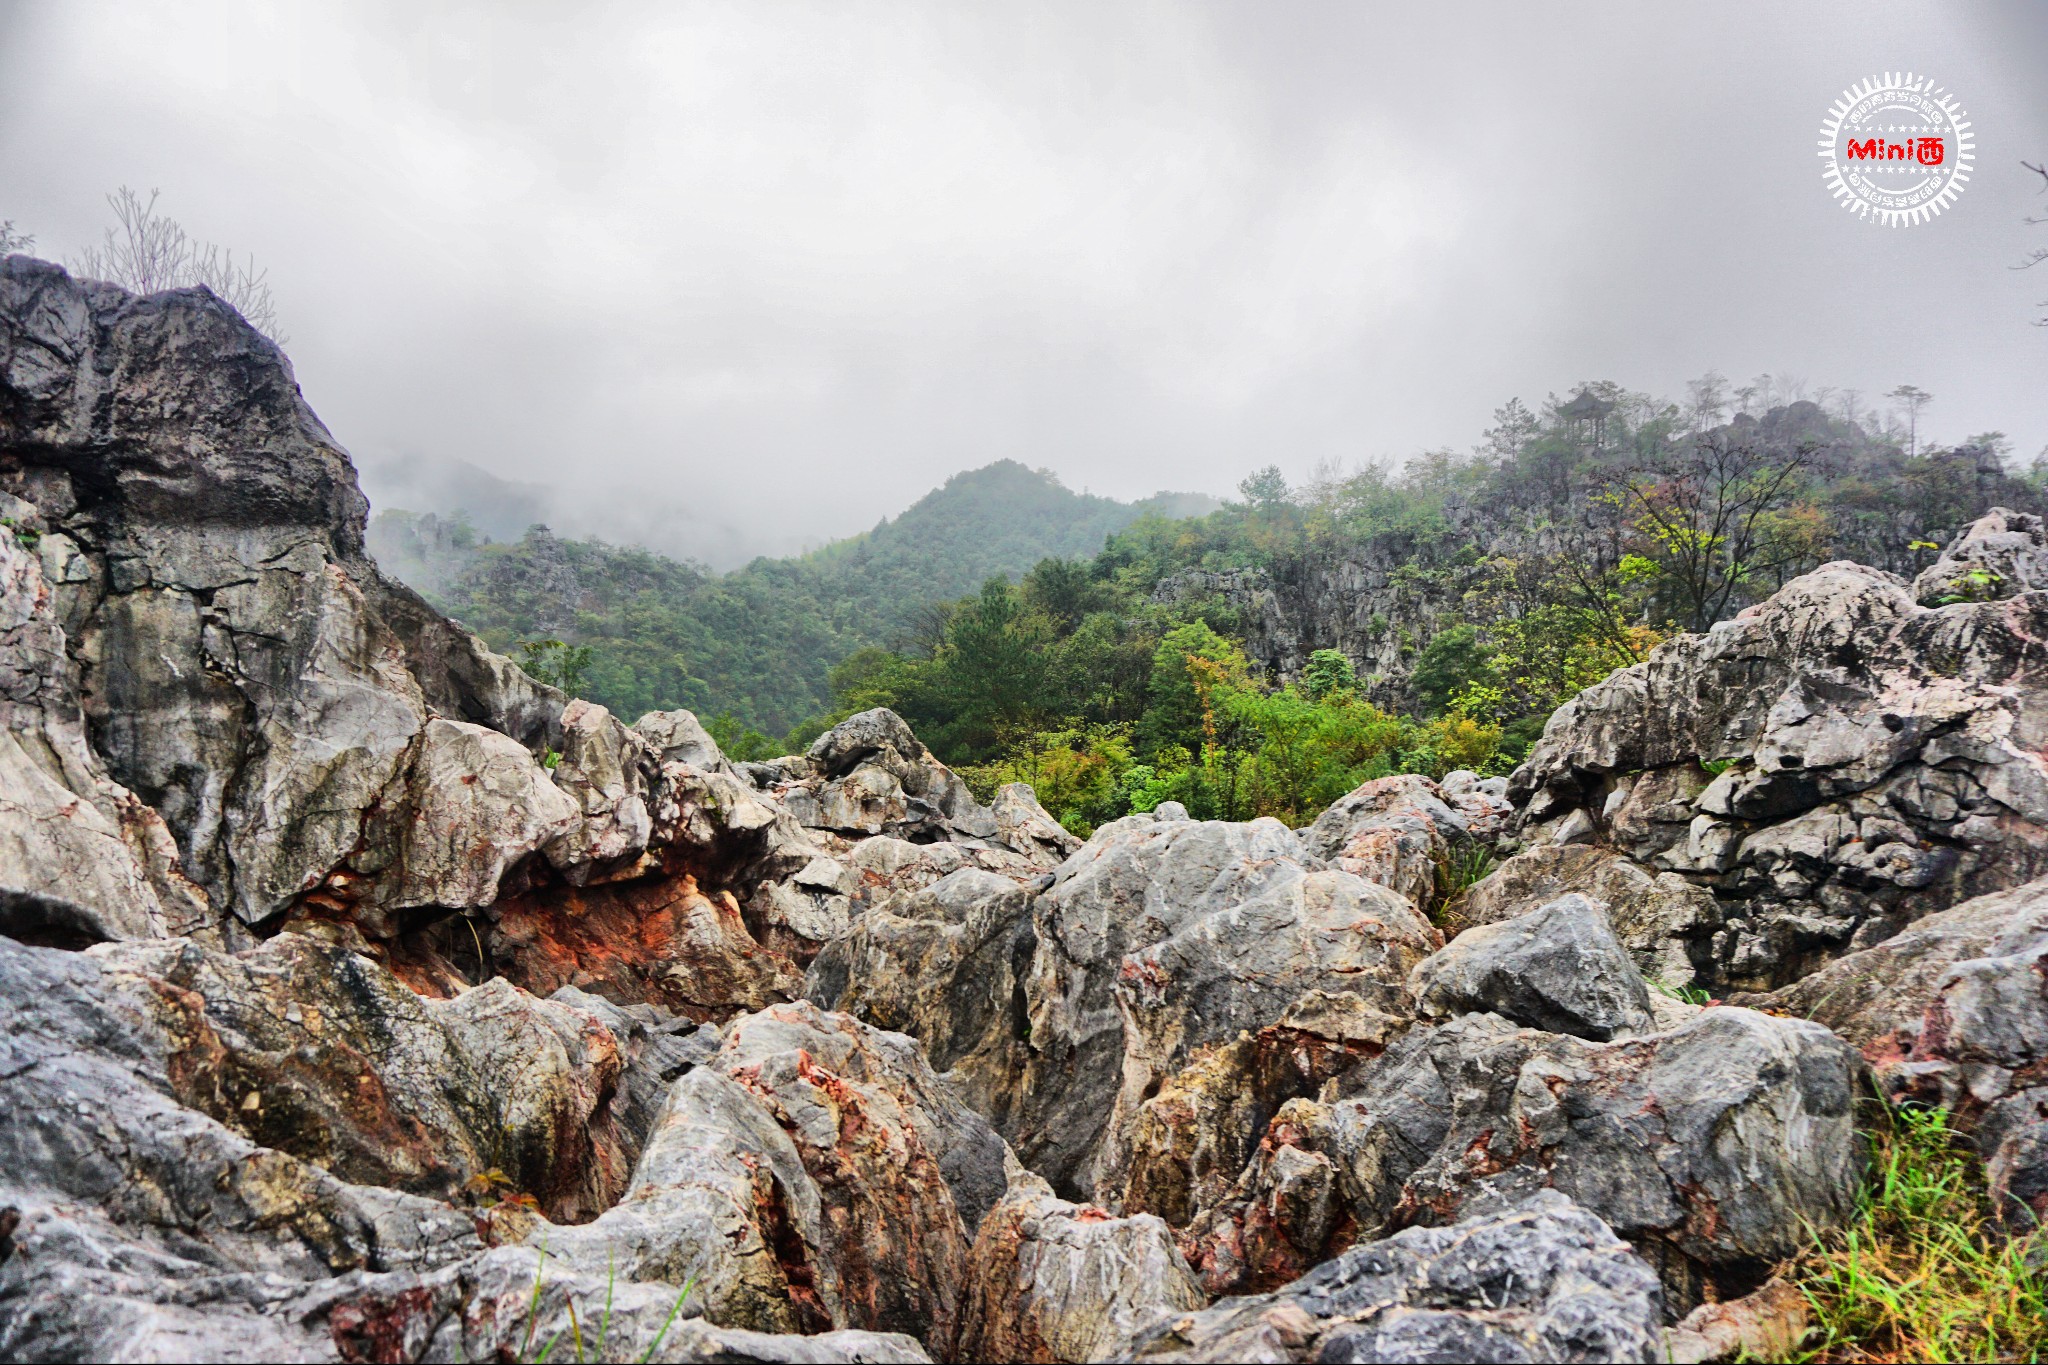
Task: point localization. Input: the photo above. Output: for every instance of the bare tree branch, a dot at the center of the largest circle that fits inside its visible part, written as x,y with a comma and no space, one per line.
148,253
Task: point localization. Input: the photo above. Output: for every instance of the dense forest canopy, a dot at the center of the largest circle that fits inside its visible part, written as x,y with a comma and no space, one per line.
1269,655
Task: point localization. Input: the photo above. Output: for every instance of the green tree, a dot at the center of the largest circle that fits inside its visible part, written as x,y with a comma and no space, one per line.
1174,713
1328,671
557,664
1264,489
1452,661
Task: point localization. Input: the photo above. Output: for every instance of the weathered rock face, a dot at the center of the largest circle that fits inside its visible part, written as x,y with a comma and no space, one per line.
1547,1281
1710,1147
240,665
807,1172
1558,968
945,964
1396,831
140,1228
2002,554
318,1052
1878,998
1661,918
1875,761
1164,937
81,858
1051,1281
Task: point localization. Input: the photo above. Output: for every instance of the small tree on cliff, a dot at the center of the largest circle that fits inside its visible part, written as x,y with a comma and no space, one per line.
1912,400
148,252
12,241
1707,518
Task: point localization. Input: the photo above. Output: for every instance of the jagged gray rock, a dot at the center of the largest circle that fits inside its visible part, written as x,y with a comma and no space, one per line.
1874,761
1661,918
1395,831
1714,1148
1546,1281
943,963
1159,938
1878,997
243,668
1557,968
81,858
1051,1281
1999,555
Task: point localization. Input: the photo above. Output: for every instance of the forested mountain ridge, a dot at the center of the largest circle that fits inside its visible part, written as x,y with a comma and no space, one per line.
757,643
1274,654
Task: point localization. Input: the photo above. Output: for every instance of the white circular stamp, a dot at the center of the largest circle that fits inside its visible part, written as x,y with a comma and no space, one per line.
1898,149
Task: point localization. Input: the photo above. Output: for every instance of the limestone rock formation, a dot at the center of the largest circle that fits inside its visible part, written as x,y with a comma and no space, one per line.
2002,554
365,999
1160,938
1396,831
1052,1281
1833,764
1661,918
82,859
1558,967
945,964
1546,1281
1711,1147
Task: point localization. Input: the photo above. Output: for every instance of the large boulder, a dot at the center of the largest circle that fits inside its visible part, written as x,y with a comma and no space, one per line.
1396,831
316,1051
1545,1281
1832,764
1661,918
1878,997
242,666
1161,938
945,964
1716,1148
2001,554
1051,1281
1558,967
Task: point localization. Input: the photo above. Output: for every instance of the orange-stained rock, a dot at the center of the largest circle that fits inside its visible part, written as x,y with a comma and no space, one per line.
664,942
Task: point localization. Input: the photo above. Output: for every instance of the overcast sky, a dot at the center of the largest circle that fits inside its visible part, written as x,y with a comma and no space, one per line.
758,274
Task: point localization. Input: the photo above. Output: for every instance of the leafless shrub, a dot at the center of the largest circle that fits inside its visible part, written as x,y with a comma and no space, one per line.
148,252
12,241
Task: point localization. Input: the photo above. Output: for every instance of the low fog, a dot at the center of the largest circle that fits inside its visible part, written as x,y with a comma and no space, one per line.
736,279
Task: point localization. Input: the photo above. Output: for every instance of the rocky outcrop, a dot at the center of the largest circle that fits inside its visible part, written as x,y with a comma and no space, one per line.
2002,554
367,1000
1397,831
1575,1293
1713,1147
320,1053
1162,938
1661,918
1052,1281
1557,968
945,964
1833,764
82,859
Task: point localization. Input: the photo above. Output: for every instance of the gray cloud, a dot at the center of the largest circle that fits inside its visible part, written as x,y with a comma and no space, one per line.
756,275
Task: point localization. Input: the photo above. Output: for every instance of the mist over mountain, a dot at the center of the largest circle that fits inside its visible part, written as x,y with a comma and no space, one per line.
668,630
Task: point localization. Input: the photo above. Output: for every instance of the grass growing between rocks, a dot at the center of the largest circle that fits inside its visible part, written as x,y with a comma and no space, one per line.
1924,1273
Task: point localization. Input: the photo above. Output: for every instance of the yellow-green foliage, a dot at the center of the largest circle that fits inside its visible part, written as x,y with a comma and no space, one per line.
1924,1273
1256,752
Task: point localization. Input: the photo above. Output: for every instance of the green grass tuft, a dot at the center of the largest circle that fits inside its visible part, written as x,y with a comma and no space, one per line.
1924,1273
